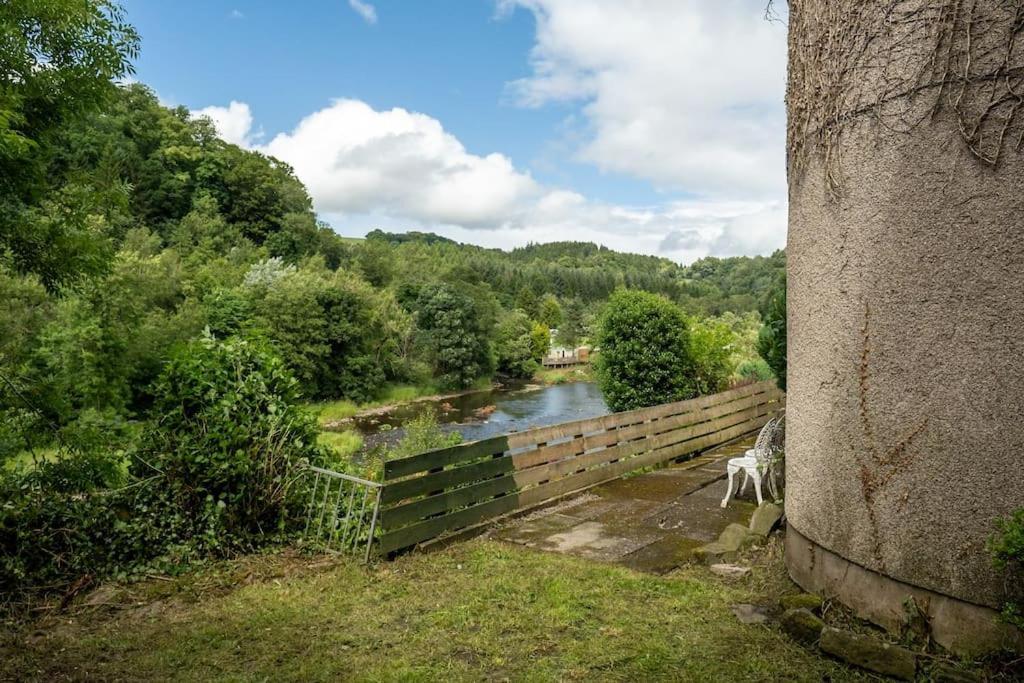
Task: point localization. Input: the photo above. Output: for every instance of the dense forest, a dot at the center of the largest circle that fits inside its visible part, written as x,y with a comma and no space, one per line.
169,301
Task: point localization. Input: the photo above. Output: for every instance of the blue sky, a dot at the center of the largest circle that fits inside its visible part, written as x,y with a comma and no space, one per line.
497,121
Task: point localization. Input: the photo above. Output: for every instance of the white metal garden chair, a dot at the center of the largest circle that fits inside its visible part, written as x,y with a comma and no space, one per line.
759,461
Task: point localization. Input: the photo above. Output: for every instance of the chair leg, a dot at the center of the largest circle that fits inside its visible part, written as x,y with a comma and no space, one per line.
757,486
728,491
746,480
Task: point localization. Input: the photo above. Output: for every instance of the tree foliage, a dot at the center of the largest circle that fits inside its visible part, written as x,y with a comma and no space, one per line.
645,354
453,336
771,342
514,347
57,63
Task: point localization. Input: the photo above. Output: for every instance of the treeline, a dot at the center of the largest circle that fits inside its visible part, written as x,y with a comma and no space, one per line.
587,273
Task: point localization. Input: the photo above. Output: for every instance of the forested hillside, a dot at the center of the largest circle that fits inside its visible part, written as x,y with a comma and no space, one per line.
587,272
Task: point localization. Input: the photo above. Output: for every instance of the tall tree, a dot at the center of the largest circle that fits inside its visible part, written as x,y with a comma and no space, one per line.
57,61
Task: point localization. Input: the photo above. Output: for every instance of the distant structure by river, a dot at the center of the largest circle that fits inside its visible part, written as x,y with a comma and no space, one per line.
561,357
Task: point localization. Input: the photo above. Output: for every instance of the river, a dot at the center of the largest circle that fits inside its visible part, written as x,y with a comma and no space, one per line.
487,413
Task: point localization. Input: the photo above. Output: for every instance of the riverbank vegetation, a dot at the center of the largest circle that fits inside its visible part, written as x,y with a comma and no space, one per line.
170,300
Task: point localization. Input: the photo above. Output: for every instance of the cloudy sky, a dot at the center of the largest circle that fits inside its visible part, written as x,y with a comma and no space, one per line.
653,126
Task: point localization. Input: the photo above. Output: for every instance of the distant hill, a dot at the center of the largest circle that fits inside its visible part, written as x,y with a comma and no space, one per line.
590,272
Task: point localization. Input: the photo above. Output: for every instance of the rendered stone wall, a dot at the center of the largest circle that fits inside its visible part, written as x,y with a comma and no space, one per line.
905,405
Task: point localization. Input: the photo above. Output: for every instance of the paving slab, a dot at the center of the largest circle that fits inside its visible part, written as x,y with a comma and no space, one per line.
697,517
534,531
663,555
593,506
642,487
596,541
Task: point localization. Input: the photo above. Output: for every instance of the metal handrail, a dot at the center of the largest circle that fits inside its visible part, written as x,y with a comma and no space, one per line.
351,525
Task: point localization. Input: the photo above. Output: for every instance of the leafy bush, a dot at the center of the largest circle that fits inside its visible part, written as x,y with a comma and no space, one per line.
771,341
756,370
1008,552
422,433
228,432
645,358
711,343
215,471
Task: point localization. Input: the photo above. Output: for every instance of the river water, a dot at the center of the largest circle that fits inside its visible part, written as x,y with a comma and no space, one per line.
487,413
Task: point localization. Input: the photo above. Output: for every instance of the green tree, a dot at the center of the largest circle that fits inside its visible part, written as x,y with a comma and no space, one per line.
376,262
57,63
324,325
514,346
549,312
526,300
570,332
452,336
540,340
645,355
771,341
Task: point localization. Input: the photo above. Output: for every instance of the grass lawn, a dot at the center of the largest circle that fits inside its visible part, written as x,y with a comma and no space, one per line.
476,611
345,444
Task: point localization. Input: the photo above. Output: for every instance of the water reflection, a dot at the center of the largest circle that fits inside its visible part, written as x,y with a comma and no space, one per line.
489,413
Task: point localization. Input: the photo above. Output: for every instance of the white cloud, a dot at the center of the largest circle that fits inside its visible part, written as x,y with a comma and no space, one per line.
236,14
367,168
233,122
364,9
355,159
685,93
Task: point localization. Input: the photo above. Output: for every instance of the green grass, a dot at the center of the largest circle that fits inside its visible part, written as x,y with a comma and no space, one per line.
333,411
476,611
392,394
578,373
345,444
25,459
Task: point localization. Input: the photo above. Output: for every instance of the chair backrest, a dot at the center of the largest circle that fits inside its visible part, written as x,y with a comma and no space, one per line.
769,440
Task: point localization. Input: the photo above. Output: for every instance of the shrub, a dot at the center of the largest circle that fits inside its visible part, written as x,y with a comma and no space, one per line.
645,356
756,370
711,344
422,434
1007,548
227,431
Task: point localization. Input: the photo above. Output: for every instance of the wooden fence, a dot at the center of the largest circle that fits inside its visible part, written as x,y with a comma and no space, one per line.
428,495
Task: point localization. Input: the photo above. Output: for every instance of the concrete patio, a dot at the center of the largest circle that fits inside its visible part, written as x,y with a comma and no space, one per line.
650,522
